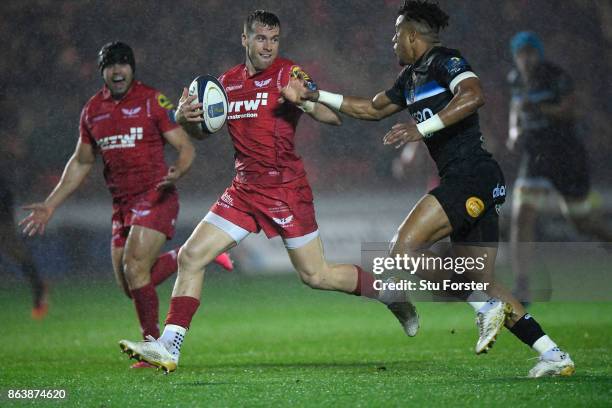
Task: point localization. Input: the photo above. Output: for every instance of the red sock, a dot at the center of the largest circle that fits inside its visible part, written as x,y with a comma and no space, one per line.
165,265
365,284
182,309
147,305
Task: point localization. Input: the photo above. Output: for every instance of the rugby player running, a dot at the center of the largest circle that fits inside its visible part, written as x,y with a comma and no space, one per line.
542,130
270,191
128,123
442,93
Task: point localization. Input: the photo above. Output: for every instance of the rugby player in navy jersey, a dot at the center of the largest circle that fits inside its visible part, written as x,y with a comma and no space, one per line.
443,95
542,131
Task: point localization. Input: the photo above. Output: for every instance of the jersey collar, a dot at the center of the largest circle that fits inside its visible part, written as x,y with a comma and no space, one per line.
421,64
245,72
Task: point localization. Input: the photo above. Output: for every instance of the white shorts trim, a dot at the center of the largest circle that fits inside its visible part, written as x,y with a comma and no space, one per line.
236,232
298,242
459,78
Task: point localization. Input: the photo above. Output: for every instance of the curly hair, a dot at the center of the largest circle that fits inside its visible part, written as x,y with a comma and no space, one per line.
265,18
424,12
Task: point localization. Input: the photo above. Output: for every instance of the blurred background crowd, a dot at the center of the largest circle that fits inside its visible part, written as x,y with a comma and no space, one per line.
48,71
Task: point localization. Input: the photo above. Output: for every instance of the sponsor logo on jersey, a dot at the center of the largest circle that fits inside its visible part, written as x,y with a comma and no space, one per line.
474,206
140,213
247,108
233,87
164,102
283,221
499,191
130,113
261,84
227,198
121,141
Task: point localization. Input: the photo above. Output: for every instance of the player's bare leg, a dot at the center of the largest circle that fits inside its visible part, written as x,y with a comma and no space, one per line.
117,260
314,270
426,224
203,246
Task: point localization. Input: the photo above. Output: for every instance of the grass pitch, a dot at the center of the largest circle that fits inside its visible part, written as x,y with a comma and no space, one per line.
273,342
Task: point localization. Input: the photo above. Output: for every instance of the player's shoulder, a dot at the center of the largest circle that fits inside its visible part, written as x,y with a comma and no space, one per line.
282,62
232,72
93,102
142,89
445,52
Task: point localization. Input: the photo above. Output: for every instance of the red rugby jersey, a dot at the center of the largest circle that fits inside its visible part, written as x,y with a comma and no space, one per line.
262,129
128,134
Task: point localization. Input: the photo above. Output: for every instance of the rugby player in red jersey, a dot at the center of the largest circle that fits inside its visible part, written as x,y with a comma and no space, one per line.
128,123
270,191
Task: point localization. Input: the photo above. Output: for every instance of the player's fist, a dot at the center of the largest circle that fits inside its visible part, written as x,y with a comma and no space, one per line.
169,179
187,111
36,221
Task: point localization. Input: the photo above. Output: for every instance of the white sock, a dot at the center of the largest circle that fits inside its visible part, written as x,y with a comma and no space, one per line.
477,299
544,344
172,338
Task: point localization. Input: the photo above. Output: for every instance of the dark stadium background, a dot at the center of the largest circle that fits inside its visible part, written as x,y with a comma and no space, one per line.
48,71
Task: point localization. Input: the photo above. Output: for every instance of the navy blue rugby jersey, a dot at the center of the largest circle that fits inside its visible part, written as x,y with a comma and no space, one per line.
425,88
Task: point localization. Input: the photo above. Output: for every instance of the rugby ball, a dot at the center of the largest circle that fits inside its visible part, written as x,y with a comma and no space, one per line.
210,93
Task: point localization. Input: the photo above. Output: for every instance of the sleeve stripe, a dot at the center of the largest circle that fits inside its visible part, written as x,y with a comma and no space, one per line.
459,78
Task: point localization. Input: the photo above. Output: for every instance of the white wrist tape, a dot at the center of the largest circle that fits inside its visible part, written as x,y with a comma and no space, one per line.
430,125
307,106
332,100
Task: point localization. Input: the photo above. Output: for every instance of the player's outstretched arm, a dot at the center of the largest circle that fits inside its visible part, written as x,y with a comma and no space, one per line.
189,115
376,108
77,168
293,93
178,139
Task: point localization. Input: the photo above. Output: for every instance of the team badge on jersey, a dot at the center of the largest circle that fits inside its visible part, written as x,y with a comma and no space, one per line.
455,65
164,102
474,206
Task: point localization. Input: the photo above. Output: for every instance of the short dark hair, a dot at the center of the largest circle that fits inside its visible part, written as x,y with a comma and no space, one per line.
424,12
262,17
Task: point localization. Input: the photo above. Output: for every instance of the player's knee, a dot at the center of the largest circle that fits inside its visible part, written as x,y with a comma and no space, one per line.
311,277
133,266
408,244
190,260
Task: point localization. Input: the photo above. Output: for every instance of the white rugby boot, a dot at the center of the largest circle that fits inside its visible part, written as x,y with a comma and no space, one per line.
151,351
490,320
553,362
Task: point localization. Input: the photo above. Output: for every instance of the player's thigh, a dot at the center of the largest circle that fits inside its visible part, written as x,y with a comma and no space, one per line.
425,224
206,242
309,258
142,247
117,260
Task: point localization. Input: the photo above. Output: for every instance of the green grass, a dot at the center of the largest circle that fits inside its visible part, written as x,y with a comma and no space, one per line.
273,342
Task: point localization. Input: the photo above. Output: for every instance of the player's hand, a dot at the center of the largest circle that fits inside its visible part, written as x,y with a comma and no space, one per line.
187,111
37,220
169,179
293,92
402,133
